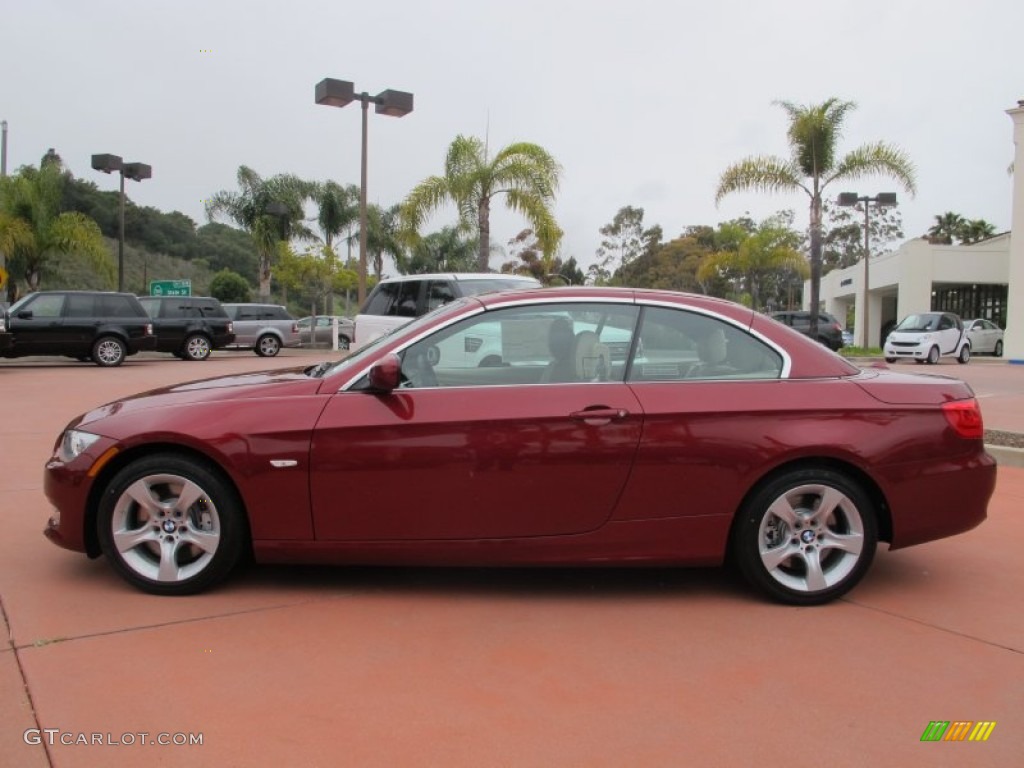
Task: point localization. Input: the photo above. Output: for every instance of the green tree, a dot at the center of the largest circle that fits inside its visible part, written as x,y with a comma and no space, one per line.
448,250
528,258
813,133
270,210
34,232
383,236
843,238
760,260
228,286
947,226
524,173
625,239
976,230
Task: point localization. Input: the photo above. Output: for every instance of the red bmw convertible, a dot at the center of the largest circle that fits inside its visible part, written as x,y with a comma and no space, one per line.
576,426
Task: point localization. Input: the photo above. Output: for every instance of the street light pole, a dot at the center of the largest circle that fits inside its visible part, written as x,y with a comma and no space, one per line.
339,93
880,200
134,171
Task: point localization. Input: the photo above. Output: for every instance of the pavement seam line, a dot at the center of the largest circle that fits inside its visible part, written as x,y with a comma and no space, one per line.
934,626
143,627
24,680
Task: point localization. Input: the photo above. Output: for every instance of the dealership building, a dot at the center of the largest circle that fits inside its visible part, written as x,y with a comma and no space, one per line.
985,279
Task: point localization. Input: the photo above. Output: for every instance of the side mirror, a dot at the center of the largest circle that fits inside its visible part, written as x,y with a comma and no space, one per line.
25,314
386,373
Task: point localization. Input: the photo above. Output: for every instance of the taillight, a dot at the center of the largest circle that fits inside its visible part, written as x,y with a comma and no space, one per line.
231,327
295,327
965,417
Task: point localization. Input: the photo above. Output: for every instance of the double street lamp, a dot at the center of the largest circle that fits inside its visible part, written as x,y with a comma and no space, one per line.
339,93
134,171
881,200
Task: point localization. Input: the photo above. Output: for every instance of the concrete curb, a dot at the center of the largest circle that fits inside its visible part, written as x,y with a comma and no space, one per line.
1006,456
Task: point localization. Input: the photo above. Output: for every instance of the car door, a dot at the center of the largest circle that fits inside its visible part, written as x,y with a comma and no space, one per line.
706,387
481,452
949,335
37,325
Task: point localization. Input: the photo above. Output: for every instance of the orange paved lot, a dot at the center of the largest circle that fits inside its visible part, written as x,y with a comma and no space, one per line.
416,667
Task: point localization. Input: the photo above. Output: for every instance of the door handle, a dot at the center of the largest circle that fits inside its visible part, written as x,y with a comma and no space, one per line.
599,414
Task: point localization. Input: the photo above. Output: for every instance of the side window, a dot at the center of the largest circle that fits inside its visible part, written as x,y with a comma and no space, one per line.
439,292
406,302
381,300
945,323
676,345
555,344
110,305
80,305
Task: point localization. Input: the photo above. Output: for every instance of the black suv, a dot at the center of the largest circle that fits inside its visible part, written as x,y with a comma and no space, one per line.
830,332
189,327
100,325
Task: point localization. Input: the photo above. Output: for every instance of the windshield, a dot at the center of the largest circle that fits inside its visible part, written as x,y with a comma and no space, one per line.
926,322
357,358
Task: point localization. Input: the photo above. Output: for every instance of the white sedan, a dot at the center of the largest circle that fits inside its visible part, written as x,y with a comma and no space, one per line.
985,336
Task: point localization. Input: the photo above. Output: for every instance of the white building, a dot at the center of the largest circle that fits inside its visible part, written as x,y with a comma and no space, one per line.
982,280
971,280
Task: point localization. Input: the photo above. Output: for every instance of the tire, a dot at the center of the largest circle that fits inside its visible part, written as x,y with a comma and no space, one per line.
344,342
998,349
196,347
267,345
933,356
806,537
890,359
109,351
157,543
965,355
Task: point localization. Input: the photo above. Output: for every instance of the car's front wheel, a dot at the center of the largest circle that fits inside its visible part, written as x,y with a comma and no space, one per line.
268,345
109,351
806,537
171,525
196,347
890,359
933,356
965,354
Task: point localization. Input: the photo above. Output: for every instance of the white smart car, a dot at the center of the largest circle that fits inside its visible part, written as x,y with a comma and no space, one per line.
926,337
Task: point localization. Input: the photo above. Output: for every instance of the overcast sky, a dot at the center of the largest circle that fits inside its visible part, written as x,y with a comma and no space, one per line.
643,103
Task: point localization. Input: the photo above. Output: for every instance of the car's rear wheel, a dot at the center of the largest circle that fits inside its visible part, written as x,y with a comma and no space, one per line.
965,354
267,345
806,537
998,351
109,351
171,525
933,356
196,347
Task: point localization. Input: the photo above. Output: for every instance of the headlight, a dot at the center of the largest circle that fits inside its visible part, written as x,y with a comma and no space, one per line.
74,443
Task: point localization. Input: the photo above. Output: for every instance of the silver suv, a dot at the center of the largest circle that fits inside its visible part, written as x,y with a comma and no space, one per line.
263,328
395,301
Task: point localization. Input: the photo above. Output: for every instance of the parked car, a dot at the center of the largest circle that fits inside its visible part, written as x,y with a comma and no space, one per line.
324,330
102,326
395,301
830,332
926,337
188,327
263,328
985,336
707,437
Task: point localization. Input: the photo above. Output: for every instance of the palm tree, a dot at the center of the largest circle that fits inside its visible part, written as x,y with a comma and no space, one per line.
445,251
337,209
270,210
762,255
33,231
525,173
382,236
976,230
813,132
946,227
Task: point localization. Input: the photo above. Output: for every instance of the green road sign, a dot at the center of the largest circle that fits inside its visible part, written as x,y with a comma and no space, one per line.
170,287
